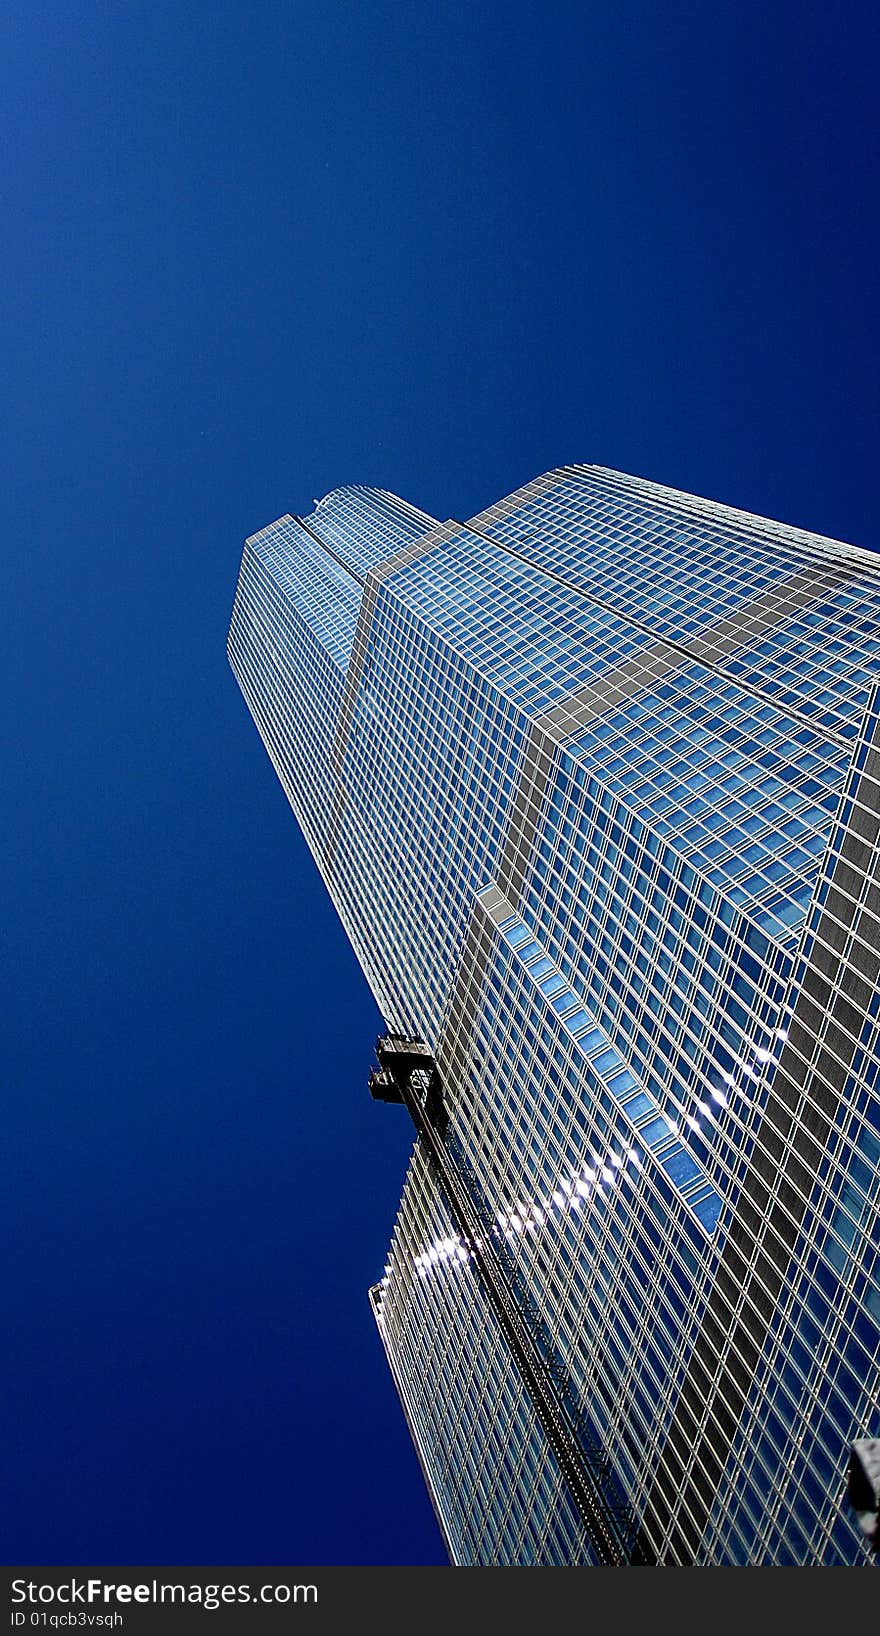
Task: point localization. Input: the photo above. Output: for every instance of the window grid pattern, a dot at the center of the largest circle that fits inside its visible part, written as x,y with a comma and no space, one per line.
682,873
818,1382
692,995
429,777
292,685
530,638
649,1129
683,564
365,526
579,1199
479,1440
325,596
744,793
822,661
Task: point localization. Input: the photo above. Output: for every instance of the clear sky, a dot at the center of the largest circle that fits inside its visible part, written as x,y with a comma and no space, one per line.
252,252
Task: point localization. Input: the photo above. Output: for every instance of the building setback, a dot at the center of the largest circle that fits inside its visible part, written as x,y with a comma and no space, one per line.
593,783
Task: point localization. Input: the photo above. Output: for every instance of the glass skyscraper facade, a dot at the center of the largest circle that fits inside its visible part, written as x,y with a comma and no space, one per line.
593,781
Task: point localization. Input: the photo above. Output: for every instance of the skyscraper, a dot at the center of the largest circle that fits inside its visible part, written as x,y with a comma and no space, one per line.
593,783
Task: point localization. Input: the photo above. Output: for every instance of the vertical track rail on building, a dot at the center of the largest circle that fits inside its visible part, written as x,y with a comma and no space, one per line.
408,1074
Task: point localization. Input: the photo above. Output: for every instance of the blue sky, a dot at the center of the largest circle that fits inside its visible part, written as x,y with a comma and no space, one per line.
251,253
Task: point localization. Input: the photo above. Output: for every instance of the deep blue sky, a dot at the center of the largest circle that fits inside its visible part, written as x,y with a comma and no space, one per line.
252,252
